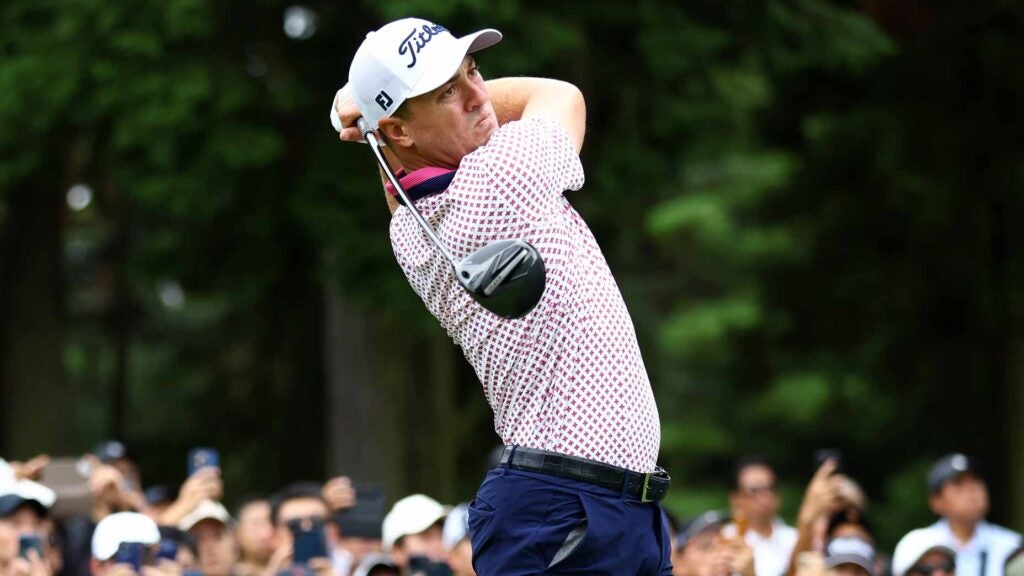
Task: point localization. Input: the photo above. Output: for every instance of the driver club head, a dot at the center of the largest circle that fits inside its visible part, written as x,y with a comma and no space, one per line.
506,277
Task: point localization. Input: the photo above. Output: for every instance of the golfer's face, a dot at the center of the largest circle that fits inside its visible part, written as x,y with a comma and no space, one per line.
454,119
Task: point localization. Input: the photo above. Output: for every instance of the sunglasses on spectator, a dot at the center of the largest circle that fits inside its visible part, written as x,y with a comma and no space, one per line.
758,490
929,569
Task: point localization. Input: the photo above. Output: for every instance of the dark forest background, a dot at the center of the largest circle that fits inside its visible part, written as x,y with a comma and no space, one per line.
813,209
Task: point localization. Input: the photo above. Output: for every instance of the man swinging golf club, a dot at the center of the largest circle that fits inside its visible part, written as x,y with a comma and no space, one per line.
482,167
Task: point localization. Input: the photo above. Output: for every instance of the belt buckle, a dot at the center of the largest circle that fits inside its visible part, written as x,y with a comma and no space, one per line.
647,481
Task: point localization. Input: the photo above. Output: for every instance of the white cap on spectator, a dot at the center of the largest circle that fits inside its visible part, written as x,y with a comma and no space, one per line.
850,550
207,510
456,526
915,545
410,515
119,528
21,491
6,473
14,492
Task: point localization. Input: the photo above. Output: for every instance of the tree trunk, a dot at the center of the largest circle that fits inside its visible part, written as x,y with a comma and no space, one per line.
355,400
31,299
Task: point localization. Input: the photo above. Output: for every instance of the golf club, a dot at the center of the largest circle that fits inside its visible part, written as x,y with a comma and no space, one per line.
506,276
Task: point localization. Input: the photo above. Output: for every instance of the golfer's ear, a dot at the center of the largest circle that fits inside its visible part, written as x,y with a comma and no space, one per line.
394,131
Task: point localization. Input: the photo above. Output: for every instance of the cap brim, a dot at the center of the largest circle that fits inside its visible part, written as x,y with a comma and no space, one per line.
943,549
855,559
438,75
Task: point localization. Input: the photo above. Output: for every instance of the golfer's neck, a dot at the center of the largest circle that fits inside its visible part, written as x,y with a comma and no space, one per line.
412,160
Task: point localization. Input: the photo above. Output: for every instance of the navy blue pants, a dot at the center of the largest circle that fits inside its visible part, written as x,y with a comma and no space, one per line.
525,523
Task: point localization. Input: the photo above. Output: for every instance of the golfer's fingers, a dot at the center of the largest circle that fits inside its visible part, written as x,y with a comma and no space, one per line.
350,135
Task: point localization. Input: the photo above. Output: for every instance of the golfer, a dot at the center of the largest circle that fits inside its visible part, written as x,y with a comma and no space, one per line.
578,490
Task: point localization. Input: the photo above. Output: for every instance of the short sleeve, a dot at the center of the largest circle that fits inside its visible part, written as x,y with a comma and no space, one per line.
529,163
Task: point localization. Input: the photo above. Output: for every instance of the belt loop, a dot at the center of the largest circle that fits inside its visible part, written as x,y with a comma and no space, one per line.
625,483
508,462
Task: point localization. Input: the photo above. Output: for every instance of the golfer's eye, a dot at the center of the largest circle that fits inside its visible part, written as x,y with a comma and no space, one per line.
474,71
449,91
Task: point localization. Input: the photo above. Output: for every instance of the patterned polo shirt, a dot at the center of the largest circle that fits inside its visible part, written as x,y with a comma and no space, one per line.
568,377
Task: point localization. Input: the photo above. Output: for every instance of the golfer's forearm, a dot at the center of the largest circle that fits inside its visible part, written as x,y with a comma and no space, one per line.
522,98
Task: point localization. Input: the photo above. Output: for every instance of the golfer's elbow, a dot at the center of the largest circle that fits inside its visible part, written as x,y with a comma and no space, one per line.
576,116
565,104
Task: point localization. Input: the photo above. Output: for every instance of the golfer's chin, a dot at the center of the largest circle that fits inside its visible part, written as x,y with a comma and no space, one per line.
484,128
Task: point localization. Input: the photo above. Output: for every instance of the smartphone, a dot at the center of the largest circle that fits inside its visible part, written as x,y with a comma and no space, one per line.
825,454
167,550
202,458
310,539
69,478
422,566
129,553
28,542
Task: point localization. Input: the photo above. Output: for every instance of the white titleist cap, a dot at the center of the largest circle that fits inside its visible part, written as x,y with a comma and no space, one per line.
407,58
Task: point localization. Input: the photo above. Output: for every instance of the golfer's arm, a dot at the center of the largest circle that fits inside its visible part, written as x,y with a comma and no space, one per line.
522,98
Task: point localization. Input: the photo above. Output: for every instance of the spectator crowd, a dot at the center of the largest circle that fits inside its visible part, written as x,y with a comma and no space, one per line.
91,517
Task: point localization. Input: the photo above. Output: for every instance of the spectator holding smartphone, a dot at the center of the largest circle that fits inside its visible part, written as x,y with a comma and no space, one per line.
125,544
210,525
203,484
25,529
303,537
359,527
755,500
832,501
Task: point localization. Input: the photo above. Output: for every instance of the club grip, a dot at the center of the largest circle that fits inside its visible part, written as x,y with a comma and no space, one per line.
364,126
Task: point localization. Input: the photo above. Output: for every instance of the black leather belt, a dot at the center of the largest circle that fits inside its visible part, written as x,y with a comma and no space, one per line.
649,487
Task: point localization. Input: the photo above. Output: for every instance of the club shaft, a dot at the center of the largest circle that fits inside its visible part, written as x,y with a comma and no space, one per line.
371,139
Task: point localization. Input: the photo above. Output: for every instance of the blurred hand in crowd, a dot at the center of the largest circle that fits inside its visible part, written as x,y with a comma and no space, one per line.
279,560
730,557
810,564
823,494
31,565
109,491
321,567
30,470
111,569
339,493
164,567
204,484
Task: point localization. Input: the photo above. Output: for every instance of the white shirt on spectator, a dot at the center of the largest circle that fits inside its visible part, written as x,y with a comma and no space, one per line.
771,553
568,377
994,541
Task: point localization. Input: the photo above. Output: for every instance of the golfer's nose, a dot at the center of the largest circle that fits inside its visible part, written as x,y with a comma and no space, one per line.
476,95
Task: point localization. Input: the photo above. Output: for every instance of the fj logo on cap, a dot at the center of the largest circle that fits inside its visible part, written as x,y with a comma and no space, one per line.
384,101
417,39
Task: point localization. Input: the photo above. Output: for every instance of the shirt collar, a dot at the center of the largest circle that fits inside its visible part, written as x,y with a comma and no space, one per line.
421,183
